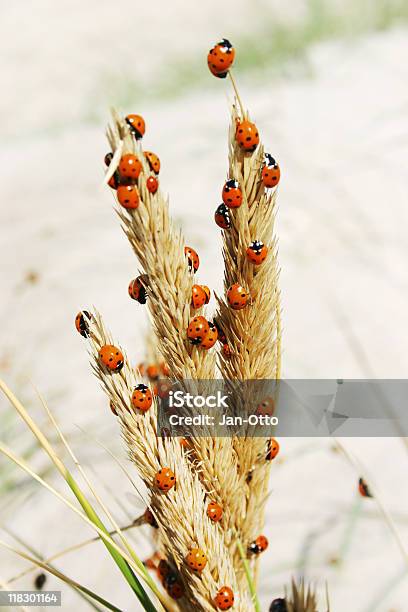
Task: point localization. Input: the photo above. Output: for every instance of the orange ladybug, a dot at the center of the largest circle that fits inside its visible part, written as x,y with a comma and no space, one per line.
114,180
176,590
363,488
237,297
200,296
142,398
270,171
220,58
224,599
226,351
214,511
222,217
136,125
152,372
141,369
150,564
266,407
128,196
163,388
152,184
196,559
232,194
112,407
259,545
165,370
148,517
184,443
111,357
273,449
210,338
193,259
165,479
198,329
82,323
129,166
137,289
247,135
257,252
153,161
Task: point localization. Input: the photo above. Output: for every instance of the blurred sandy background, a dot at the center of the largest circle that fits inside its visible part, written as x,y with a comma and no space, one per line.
326,83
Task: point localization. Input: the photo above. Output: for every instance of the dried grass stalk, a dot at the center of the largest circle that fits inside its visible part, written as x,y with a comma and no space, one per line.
180,513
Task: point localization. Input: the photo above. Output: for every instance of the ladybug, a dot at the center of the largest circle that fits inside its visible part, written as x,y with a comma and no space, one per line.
210,338
176,590
273,449
136,125
152,184
258,545
112,407
221,336
278,605
196,559
270,172
224,599
200,296
232,194
222,217
111,357
184,443
128,196
129,166
108,158
363,488
266,407
226,351
150,564
237,297
193,259
163,569
152,372
164,368
137,290
163,388
169,580
247,136
153,161
165,479
149,518
140,369
82,323
214,511
114,181
220,58
198,329
142,398
257,252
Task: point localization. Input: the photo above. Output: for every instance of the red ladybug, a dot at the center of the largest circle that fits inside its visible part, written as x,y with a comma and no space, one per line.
270,171
136,125
108,158
176,590
152,372
114,181
247,136
222,217
137,289
192,258
129,166
196,559
153,161
128,196
152,184
82,323
221,335
198,329
200,296
226,351
148,517
210,337
232,194
214,512
111,357
237,297
259,545
266,407
257,252
363,488
220,58
165,479
165,370
184,443
273,449
224,599
142,398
